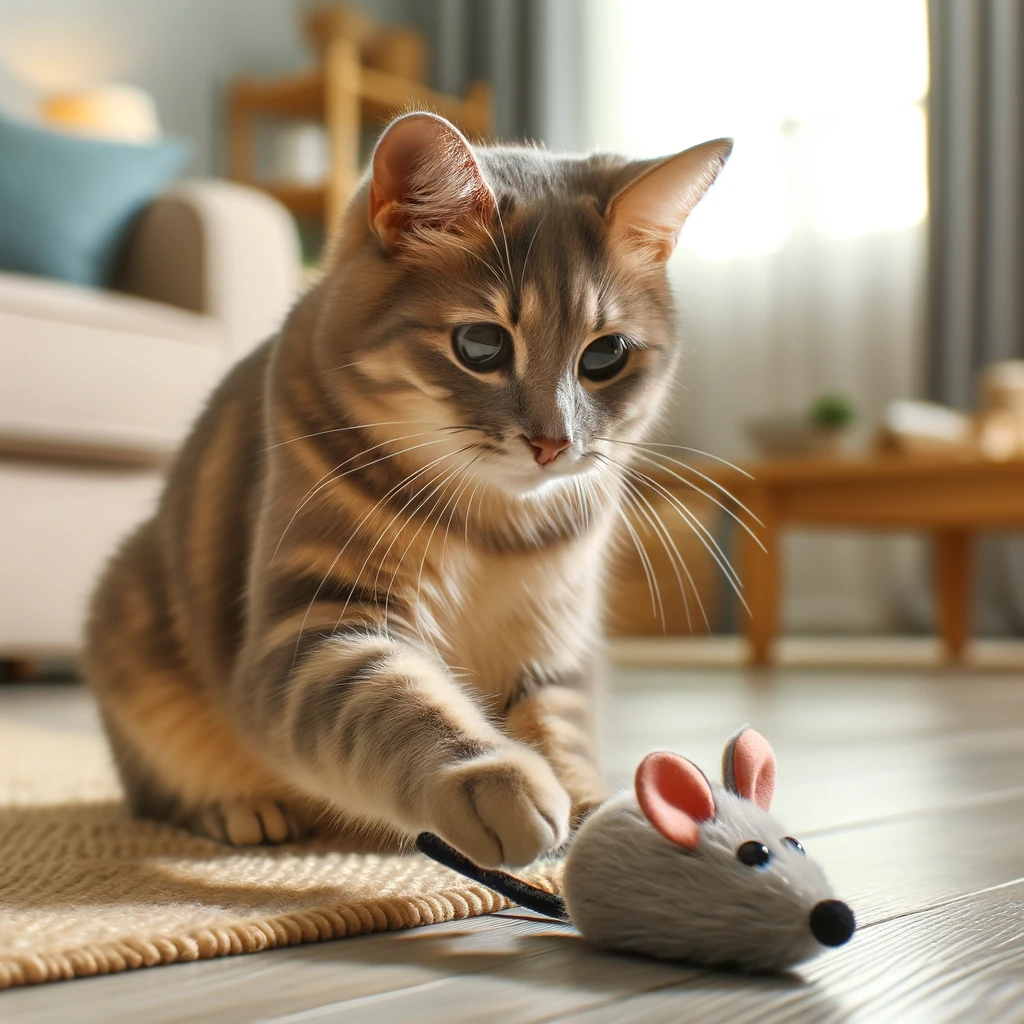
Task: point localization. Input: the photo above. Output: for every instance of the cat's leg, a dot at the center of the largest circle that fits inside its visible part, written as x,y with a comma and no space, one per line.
196,776
555,715
181,759
378,727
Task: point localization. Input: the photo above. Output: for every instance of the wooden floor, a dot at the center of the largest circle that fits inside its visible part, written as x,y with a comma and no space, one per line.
908,786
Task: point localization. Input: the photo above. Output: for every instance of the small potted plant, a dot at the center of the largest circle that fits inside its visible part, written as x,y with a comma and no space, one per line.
821,430
830,416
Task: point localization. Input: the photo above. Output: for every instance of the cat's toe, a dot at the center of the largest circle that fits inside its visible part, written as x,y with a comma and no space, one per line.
247,823
505,809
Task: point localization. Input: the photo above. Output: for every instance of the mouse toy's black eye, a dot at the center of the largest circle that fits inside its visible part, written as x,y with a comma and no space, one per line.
753,854
794,844
482,347
604,358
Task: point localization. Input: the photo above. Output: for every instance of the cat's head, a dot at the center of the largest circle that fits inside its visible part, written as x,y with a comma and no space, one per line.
510,304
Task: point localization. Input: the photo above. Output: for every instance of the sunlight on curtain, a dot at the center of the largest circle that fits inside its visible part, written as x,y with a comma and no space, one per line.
803,270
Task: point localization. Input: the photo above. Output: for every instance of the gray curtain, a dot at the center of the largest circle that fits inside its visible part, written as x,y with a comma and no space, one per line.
527,49
976,306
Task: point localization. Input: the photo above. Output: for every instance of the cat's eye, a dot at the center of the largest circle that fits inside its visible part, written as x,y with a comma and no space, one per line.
482,347
604,358
793,844
753,854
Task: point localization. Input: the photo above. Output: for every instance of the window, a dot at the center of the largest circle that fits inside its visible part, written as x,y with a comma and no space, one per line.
825,100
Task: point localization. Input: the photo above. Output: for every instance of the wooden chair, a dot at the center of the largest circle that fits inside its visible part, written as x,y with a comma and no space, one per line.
364,77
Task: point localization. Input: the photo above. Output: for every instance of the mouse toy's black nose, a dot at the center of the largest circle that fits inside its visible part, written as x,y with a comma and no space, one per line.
832,922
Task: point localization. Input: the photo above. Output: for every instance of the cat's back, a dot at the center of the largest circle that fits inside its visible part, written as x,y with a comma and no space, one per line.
179,577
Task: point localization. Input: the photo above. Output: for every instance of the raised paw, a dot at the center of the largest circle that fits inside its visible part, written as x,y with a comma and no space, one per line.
248,822
505,808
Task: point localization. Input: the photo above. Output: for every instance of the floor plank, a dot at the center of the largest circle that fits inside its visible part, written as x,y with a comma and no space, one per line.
963,962
260,986
907,785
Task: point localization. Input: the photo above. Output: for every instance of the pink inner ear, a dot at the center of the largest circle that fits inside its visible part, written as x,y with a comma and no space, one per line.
423,169
674,796
753,763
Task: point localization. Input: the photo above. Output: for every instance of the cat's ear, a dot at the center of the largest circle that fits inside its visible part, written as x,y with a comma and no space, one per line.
424,175
650,212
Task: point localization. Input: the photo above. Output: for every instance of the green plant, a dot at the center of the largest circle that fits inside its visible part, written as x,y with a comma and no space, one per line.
832,412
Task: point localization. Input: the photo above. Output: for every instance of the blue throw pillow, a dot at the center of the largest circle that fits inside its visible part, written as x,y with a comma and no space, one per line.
67,201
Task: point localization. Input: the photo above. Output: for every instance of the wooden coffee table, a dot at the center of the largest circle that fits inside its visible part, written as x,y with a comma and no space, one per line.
950,499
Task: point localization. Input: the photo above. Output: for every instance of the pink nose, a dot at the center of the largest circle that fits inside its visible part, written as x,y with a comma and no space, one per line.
545,450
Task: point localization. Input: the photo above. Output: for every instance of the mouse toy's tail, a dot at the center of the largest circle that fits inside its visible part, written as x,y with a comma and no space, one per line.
515,889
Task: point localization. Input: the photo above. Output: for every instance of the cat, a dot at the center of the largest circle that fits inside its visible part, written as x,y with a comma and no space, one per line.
371,595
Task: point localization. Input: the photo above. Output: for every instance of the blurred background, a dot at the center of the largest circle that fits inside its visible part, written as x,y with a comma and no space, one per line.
850,286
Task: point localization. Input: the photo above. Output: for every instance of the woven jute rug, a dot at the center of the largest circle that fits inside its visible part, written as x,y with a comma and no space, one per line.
86,890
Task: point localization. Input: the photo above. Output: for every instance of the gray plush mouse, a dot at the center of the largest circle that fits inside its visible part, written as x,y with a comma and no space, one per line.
682,869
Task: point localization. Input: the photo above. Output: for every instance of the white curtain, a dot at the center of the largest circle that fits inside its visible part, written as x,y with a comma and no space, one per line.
803,271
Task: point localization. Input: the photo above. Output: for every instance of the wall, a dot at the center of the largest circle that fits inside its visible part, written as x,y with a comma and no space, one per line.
181,51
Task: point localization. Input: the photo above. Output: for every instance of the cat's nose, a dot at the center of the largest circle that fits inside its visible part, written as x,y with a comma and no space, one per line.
546,450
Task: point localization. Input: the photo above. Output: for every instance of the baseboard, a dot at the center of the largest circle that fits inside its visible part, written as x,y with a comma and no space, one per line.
835,652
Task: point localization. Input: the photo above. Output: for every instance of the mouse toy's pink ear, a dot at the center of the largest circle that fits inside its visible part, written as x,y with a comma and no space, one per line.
674,796
748,767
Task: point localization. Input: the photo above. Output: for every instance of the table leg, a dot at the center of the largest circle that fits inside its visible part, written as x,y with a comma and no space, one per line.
953,579
760,573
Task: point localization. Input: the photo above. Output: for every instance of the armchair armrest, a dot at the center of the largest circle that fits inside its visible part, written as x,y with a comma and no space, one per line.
220,249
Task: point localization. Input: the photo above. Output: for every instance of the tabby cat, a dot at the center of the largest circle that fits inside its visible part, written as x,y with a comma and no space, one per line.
371,595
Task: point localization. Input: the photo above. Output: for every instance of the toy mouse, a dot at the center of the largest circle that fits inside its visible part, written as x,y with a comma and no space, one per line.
686,870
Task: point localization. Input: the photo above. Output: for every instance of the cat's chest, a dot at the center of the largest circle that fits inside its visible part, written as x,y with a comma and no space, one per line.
501,617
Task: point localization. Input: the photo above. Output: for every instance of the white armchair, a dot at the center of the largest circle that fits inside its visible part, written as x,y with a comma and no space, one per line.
97,389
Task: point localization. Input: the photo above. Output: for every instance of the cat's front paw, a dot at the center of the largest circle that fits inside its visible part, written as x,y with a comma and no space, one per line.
506,808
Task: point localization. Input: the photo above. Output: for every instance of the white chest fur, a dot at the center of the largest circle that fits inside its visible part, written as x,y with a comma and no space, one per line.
496,617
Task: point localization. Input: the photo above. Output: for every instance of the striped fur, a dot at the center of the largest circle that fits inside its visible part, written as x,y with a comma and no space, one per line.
361,604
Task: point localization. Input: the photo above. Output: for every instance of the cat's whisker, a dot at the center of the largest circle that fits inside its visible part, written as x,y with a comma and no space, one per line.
455,508
405,481
504,238
641,551
732,515
674,555
704,536
346,366
702,533
431,487
693,521
461,428
651,459
452,500
656,606
469,509
663,534
684,448
650,456
478,258
497,252
439,487
529,249
329,478
398,515
340,430
457,490
337,557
